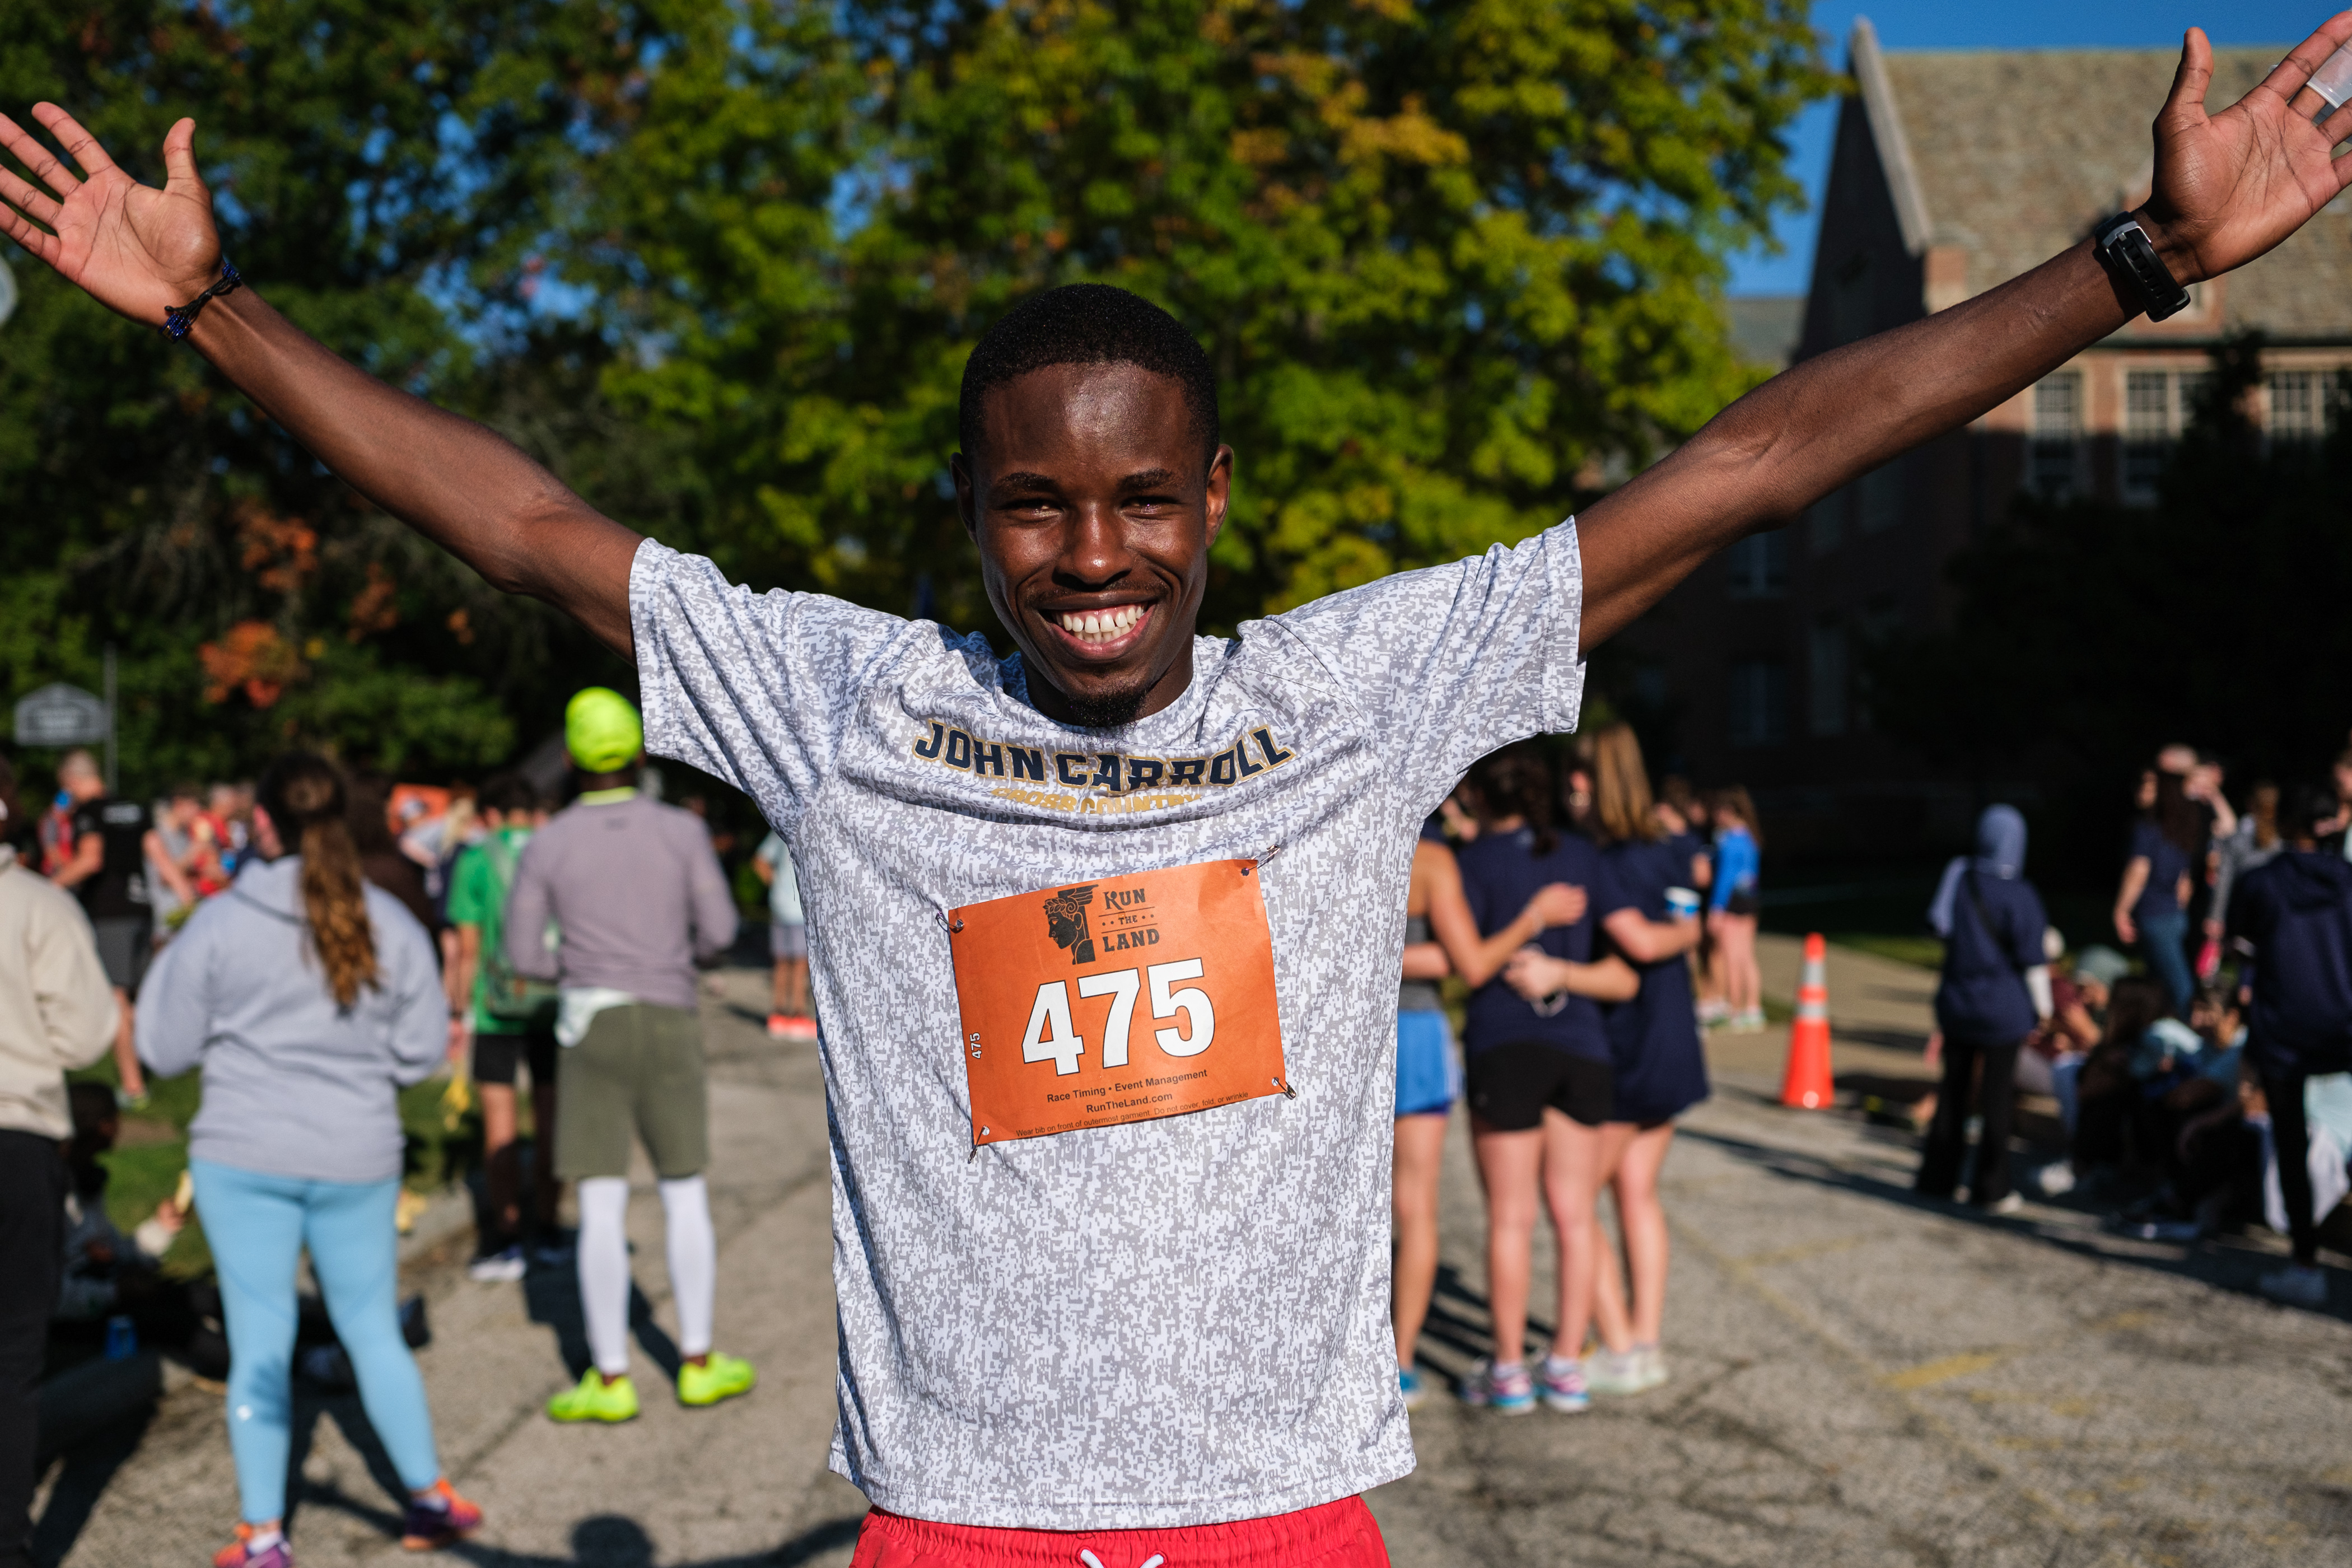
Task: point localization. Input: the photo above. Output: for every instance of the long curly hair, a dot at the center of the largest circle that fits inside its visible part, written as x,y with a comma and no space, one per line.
303,795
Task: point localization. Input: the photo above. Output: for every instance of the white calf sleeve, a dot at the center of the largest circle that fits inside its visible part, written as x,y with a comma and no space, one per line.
604,1251
693,1260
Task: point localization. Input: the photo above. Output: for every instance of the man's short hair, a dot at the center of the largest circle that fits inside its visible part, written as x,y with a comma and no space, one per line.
1088,324
77,764
508,794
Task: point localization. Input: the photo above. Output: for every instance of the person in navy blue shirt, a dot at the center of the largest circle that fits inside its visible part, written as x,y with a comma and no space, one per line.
1658,1068
2291,919
1995,990
2152,901
1538,1071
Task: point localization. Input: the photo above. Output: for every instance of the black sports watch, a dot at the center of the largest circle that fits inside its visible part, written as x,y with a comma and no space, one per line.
2141,277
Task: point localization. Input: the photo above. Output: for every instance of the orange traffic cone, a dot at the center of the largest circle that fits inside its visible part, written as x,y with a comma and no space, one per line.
1807,1085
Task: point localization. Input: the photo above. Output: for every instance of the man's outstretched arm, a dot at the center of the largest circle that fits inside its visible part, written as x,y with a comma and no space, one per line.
143,251
2227,188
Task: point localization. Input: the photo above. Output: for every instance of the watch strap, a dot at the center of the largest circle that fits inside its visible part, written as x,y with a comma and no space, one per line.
2140,274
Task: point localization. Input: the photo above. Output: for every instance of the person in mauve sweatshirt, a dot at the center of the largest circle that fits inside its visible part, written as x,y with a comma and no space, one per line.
2291,918
56,1012
309,997
637,899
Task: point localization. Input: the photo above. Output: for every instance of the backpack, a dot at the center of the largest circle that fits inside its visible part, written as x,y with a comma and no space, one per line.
507,995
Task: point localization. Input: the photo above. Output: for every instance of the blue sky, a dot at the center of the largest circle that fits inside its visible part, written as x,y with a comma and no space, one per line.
1998,25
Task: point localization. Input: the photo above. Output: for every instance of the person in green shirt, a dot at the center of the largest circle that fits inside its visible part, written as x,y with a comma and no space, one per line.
512,1021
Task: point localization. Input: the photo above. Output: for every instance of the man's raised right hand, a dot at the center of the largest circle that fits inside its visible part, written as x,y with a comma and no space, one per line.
130,247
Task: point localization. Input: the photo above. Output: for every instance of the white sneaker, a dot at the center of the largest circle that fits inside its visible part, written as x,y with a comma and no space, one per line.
1650,1365
2297,1285
2006,1204
1711,1013
1614,1373
1749,1023
502,1267
2056,1179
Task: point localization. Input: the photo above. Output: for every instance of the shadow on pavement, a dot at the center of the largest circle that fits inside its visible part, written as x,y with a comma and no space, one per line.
89,1465
2215,1262
610,1540
552,1298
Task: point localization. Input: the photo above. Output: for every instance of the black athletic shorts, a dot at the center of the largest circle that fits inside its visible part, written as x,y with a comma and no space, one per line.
1511,1084
496,1057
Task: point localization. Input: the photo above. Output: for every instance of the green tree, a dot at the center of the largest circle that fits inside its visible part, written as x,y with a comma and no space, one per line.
387,173
1457,264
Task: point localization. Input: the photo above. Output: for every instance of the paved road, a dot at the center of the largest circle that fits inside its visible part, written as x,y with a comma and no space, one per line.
1858,1379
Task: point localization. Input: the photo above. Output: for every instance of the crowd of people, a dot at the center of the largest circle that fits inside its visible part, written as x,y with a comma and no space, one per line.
1569,907
2206,1087
1106,1316
556,950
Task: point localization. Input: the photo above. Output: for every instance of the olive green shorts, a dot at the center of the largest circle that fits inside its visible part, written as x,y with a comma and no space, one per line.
638,1068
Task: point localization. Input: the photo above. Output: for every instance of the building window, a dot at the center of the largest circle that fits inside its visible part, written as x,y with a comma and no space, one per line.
1826,683
2056,454
2294,406
2148,429
1759,701
1758,566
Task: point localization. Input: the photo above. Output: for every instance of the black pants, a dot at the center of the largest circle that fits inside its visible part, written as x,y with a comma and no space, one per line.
32,1242
1948,1135
2291,1137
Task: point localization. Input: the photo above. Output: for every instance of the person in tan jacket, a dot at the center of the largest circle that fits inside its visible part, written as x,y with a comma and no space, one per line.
56,1011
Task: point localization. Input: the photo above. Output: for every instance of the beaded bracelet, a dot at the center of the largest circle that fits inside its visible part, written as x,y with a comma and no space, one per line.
177,323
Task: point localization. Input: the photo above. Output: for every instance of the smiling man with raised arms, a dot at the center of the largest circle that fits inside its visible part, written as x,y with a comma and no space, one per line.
1154,1313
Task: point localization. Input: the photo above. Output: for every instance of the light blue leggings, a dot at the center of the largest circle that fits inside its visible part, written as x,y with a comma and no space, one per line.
258,1225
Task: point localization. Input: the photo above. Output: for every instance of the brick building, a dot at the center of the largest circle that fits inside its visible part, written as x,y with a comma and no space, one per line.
1952,172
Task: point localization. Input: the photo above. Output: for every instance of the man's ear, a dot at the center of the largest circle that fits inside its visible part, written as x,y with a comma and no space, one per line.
1220,489
967,498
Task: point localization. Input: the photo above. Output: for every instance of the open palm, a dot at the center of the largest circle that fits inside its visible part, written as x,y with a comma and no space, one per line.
2229,186
135,249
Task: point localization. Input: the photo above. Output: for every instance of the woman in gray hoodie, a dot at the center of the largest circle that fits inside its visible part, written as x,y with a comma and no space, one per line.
309,998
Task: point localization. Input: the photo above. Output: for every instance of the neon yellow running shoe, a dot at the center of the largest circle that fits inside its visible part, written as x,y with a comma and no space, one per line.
595,1398
720,1377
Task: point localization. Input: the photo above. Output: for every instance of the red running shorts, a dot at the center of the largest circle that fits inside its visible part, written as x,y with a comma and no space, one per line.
1336,1535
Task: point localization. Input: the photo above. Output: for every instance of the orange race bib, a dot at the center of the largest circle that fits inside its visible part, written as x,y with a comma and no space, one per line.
1117,1000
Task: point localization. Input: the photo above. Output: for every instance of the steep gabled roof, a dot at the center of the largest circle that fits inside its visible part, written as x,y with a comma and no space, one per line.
2011,155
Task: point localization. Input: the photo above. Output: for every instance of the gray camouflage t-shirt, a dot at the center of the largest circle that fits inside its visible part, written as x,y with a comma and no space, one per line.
1166,1323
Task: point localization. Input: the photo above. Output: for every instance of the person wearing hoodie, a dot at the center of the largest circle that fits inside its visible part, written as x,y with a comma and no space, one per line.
1994,991
56,1012
309,997
2293,919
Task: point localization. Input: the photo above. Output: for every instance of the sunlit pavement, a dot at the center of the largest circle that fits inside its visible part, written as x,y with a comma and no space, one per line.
1857,1378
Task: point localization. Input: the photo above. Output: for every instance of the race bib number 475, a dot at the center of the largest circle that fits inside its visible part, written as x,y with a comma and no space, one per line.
1118,1000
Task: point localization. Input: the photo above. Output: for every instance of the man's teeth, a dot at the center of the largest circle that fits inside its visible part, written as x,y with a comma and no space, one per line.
1102,625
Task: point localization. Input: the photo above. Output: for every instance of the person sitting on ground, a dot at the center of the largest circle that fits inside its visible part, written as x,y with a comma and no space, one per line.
2106,1095
1207,1268
309,998
2293,919
511,1023
788,1015
57,1013
106,1274
1993,993
2064,1038
637,901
